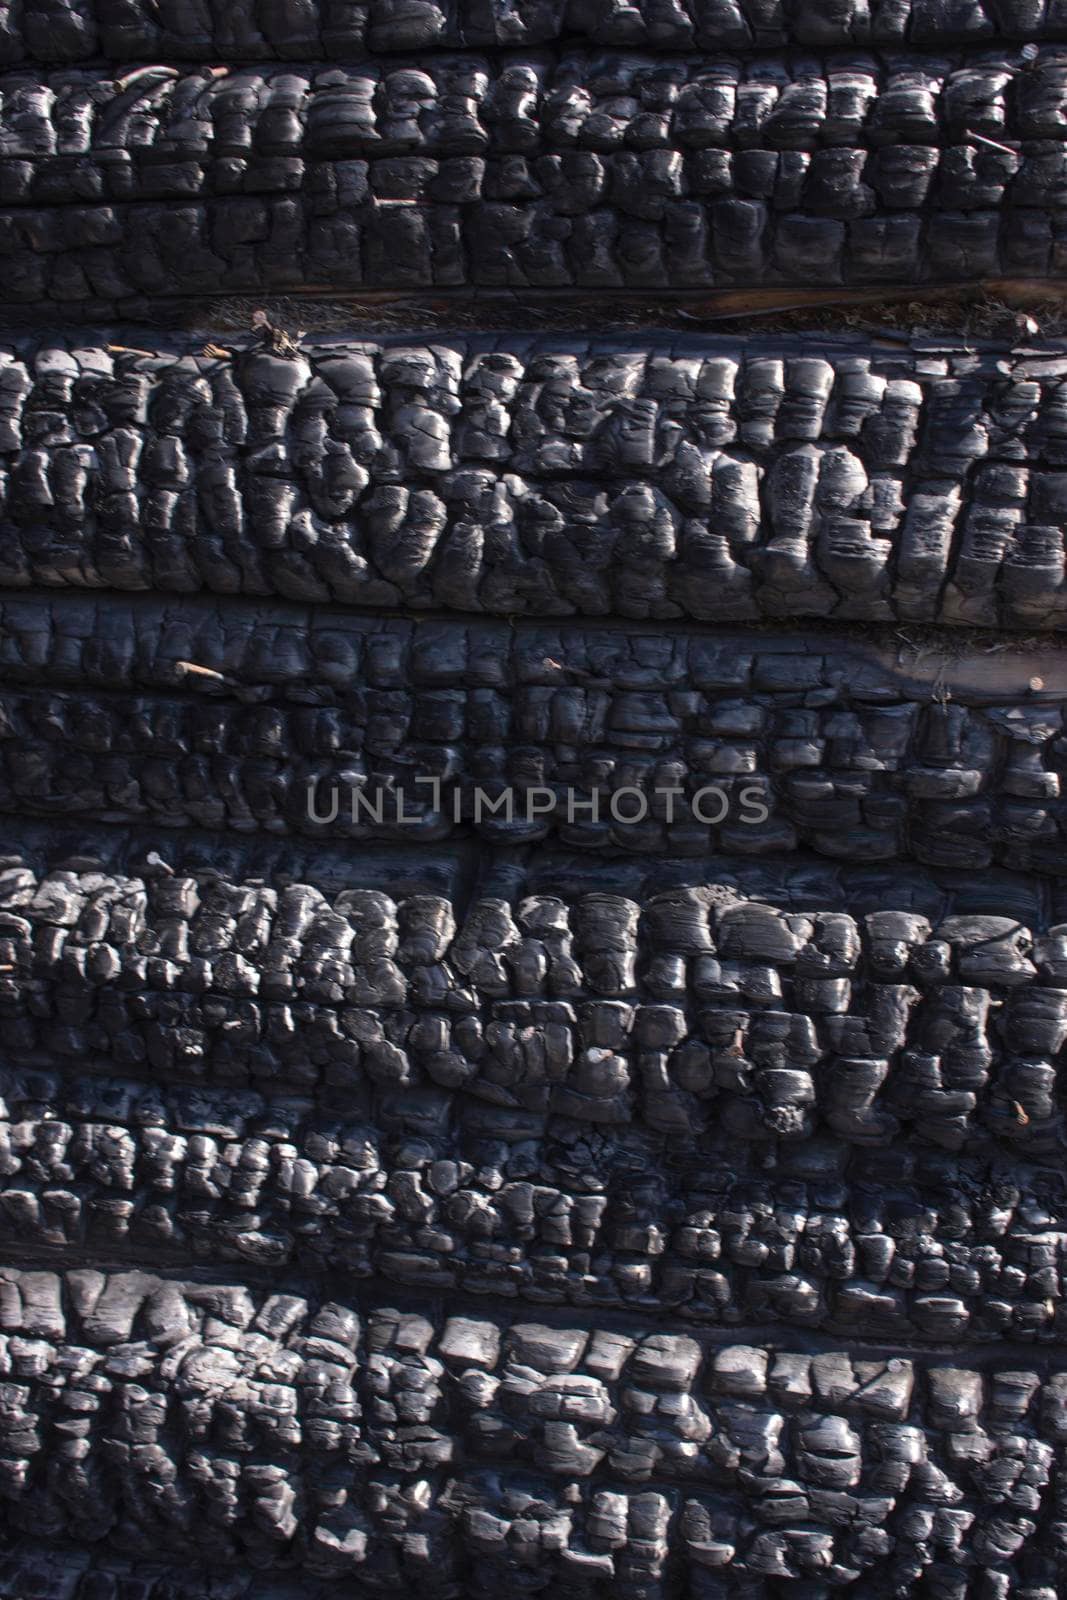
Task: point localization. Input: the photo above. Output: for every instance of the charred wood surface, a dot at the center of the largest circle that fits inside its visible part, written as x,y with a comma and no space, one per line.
721,480
907,1243
419,1200
197,713
65,31
644,220
314,1438
544,171
840,134
770,1001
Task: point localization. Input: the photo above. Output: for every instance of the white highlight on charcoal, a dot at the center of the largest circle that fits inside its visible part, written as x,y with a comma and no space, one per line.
710,805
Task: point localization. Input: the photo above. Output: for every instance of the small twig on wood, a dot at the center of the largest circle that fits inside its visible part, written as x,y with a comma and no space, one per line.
201,672
275,338
129,80
993,144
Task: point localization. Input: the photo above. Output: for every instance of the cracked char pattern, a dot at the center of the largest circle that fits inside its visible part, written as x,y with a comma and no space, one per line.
710,1102
714,479
774,1003
904,1243
191,713
833,137
233,1425
738,198
181,30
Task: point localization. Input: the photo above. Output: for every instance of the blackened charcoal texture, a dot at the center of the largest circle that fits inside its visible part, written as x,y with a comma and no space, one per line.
193,713
655,215
768,1003
842,137
628,172
717,479
123,30
218,1424
894,1243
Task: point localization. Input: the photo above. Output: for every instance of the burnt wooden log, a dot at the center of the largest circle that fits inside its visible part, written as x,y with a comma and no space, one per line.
838,136
893,998
907,1242
583,175
122,30
532,171
642,477
322,722
220,1425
